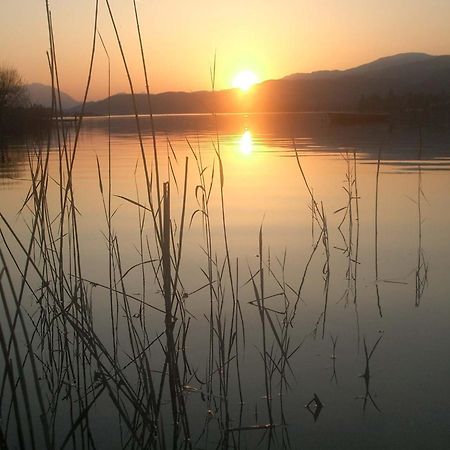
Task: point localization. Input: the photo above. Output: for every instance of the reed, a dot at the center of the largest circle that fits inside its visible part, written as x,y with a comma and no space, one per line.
377,182
366,374
64,362
421,272
319,216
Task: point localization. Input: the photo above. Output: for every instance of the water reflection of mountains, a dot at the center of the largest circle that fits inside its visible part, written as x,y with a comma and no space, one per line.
13,161
273,133
312,133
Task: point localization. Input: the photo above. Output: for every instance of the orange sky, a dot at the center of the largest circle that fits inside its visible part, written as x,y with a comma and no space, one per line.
272,38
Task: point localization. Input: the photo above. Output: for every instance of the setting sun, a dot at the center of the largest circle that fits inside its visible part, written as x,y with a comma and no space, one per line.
245,80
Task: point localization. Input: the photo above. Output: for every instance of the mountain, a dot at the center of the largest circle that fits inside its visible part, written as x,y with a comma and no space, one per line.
41,94
379,65
408,80
394,61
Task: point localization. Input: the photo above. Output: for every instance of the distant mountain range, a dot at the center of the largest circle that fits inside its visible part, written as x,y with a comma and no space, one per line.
41,94
378,67
399,76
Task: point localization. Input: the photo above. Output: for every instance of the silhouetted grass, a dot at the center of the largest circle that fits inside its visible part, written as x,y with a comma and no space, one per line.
61,366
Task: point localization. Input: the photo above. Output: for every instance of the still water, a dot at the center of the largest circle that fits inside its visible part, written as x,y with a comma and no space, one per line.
379,278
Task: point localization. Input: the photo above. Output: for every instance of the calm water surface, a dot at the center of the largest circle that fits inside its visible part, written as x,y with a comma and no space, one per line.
387,274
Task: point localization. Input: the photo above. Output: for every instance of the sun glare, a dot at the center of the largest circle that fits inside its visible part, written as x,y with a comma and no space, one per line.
245,80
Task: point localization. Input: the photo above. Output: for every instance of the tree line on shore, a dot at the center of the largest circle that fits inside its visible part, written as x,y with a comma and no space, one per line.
18,115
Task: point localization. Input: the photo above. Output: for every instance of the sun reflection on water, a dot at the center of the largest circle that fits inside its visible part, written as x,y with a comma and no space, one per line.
246,143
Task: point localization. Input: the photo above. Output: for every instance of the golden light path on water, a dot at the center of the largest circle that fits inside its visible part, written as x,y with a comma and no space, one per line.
246,143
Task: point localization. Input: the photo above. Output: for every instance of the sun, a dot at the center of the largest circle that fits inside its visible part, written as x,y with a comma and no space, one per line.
245,80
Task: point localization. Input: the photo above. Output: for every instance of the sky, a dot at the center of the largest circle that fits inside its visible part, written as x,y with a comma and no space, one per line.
272,38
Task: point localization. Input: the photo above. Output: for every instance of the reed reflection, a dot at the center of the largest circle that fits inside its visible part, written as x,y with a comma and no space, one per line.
13,161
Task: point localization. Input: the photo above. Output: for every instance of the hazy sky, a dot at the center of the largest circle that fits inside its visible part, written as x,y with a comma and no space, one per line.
271,37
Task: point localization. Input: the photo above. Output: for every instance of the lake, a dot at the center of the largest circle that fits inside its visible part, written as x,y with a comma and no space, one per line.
298,299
